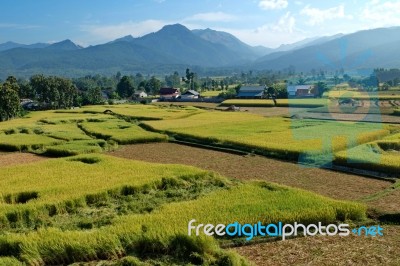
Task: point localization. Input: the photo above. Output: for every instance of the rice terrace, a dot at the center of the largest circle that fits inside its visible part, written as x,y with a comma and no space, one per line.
229,133
109,198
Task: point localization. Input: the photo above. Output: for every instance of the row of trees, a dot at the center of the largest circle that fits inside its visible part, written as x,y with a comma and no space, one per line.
54,92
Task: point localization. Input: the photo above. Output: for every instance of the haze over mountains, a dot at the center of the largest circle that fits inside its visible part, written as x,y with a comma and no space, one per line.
175,47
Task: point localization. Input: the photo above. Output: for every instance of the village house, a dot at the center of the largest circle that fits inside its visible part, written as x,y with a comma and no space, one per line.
169,93
251,92
189,95
140,94
300,91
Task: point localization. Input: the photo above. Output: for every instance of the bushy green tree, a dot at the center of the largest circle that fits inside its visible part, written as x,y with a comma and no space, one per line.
228,94
93,96
9,102
125,87
280,90
153,85
25,89
173,80
319,88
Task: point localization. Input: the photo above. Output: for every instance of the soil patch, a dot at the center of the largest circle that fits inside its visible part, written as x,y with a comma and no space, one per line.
329,183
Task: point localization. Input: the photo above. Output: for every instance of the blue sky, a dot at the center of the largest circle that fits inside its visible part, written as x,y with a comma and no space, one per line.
256,22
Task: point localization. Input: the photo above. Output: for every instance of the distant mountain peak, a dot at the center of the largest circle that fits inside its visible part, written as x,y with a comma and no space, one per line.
176,25
127,38
174,28
64,45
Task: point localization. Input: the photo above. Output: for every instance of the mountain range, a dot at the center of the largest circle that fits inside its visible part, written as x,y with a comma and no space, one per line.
175,47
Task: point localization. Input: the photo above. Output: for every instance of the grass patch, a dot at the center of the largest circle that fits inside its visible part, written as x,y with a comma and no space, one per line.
121,132
68,132
78,147
211,93
26,142
382,155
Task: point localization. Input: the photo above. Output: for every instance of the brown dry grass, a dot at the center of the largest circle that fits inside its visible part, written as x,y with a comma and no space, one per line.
319,250
7,159
354,117
329,183
274,111
195,104
387,204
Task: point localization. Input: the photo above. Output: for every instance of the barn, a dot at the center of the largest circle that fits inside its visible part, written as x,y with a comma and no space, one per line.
251,92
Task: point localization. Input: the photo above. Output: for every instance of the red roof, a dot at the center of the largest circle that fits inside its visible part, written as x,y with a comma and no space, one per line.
168,91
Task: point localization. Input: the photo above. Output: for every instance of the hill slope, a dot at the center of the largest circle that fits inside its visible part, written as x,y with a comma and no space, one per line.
363,49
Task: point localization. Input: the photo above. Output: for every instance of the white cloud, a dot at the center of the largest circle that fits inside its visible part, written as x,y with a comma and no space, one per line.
271,34
18,26
111,32
211,17
317,16
382,13
285,24
273,4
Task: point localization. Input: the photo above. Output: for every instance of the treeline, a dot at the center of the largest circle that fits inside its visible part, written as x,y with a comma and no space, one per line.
388,77
48,92
51,92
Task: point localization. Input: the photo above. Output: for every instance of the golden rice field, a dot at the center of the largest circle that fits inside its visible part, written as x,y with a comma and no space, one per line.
277,136
58,180
88,207
39,199
64,133
120,131
141,112
382,155
344,93
211,93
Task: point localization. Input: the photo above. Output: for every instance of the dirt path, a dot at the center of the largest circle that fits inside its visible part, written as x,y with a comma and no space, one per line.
14,158
329,183
319,250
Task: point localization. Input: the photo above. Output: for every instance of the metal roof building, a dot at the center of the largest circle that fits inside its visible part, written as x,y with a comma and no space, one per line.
251,92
